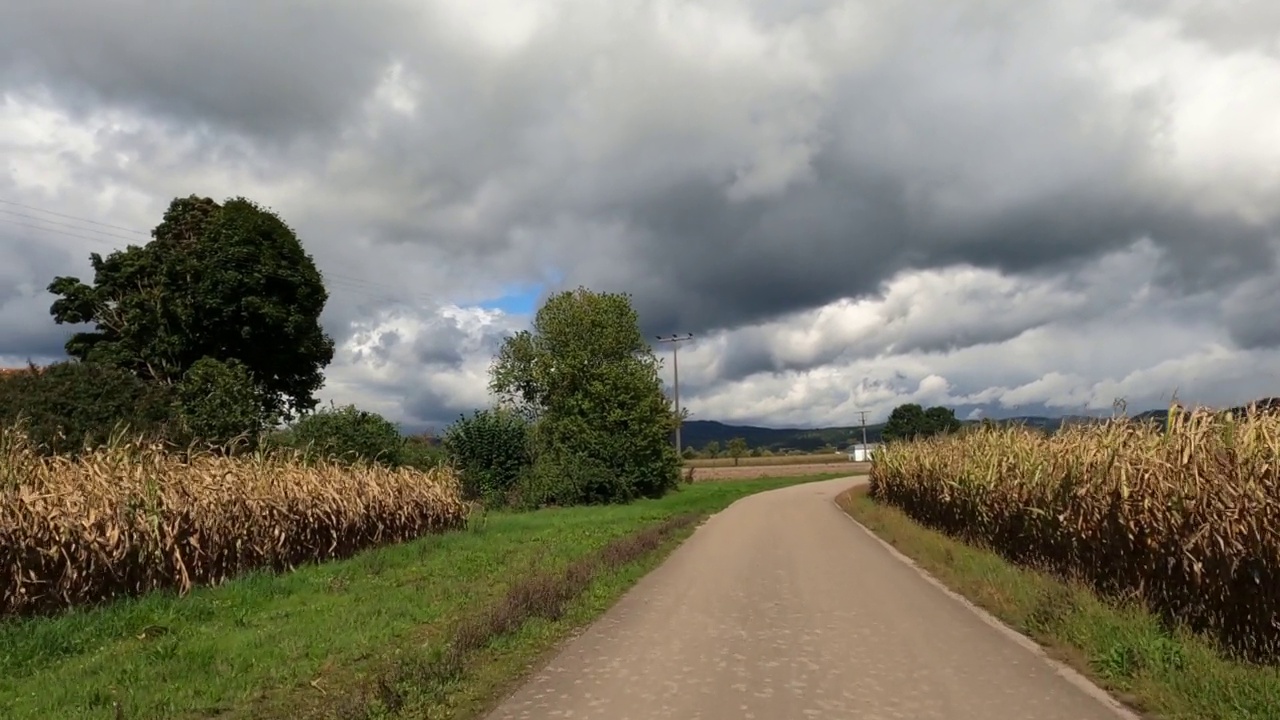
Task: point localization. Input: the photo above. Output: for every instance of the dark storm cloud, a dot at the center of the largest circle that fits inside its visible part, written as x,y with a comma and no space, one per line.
427,409
268,69
440,342
28,262
974,152
623,159
1252,313
710,263
19,338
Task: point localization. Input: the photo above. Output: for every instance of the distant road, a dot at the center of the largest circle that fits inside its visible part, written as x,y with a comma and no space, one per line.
780,607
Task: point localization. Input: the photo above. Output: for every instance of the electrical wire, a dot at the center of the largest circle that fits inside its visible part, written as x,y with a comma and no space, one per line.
355,285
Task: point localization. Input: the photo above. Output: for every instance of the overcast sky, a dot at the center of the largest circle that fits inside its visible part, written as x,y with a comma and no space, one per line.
1007,207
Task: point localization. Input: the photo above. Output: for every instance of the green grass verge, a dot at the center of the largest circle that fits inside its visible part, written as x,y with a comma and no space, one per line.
279,645
1166,674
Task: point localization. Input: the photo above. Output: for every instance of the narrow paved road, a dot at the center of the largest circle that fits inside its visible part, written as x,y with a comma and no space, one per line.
779,608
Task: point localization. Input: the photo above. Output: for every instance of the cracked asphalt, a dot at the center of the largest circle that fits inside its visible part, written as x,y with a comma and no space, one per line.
780,607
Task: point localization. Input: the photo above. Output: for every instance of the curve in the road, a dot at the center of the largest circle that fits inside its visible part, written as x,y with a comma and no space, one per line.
780,607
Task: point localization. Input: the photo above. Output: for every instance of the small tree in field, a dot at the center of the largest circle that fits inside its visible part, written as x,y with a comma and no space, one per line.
737,449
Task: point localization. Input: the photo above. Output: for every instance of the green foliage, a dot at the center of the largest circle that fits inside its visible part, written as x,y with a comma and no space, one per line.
218,403
348,433
711,449
564,478
910,421
423,452
737,449
225,282
587,375
941,420
68,406
688,453
492,450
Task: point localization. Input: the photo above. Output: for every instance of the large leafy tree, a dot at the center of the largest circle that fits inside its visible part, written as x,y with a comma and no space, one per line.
222,281
910,421
591,382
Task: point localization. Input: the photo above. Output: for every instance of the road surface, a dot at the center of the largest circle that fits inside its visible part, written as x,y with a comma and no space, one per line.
780,607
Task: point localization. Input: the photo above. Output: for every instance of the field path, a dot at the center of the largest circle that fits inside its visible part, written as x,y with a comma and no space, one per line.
780,607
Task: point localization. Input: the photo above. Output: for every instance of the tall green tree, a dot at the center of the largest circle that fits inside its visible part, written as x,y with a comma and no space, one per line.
905,422
587,377
910,421
222,281
939,420
737,448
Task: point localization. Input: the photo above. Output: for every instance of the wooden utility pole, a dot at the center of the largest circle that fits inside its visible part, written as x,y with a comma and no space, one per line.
865,451
675,341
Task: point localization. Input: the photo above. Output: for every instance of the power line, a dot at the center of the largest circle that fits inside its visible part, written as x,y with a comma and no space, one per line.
106,234
355,285
55,222
73,217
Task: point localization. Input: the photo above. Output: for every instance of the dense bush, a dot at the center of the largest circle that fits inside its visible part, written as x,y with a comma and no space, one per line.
348,434
68,406
423,452
218,404
564,477
492,450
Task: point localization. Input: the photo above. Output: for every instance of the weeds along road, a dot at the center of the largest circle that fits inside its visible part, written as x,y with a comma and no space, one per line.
781,607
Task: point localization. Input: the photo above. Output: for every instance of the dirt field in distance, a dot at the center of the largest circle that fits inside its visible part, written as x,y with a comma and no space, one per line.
832,458
745,471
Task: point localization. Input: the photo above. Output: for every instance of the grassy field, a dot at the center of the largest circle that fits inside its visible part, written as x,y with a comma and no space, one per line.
1173,675
768,461
361,637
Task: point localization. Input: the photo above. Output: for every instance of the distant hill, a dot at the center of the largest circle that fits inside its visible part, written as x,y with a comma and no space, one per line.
697,433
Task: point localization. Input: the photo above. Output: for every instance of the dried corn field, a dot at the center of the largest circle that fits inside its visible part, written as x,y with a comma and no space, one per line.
1186,520
130,519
